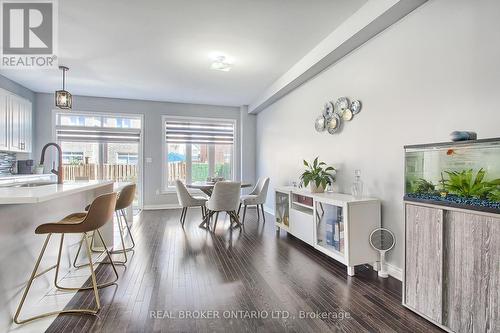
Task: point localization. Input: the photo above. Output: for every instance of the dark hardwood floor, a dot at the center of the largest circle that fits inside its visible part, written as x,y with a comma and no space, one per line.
239,274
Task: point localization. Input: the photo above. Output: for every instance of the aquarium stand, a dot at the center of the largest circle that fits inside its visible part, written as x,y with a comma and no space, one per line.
451,267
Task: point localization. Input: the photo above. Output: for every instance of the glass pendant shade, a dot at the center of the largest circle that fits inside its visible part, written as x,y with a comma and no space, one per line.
64,99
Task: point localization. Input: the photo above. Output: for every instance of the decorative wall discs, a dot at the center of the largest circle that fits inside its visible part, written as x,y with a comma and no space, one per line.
342,104
335,113
347,115
320,124
328,110
355,106
333,125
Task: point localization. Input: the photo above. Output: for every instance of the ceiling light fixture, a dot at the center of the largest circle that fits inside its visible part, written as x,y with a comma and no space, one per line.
64,100
221,63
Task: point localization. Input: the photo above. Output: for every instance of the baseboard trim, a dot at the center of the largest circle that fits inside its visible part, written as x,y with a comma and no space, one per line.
162,206
392,270
269,210
395,271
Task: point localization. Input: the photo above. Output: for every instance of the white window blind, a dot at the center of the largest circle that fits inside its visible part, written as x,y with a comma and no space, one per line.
86,128
199,132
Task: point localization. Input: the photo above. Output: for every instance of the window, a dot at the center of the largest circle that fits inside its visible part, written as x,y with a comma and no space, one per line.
72,157
197,148
126,158
98,146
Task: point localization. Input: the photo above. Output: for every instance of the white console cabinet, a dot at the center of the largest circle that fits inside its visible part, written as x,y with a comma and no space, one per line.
334,223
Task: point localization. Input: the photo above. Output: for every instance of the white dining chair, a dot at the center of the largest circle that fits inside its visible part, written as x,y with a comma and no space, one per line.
225,198
257,197
186,200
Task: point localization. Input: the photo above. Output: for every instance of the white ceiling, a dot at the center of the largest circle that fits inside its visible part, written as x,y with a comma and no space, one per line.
159,49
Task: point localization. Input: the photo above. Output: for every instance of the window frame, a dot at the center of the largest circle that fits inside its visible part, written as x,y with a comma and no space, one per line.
103,114
165,189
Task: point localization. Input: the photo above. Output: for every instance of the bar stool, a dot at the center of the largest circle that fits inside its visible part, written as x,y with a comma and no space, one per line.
125,199
100,212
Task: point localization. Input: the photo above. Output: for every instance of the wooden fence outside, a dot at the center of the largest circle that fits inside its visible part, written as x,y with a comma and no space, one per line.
115,172
176,171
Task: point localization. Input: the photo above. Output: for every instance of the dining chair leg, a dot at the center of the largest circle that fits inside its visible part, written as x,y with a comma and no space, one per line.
216,219
263,215
244,214
239,208
184,218
206,222
182,214
235,218
202,214
258,213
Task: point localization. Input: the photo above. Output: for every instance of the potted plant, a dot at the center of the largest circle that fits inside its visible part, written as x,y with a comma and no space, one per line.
39,169
317,175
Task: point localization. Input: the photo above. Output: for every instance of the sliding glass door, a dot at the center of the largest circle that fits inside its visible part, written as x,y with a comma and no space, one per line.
101,147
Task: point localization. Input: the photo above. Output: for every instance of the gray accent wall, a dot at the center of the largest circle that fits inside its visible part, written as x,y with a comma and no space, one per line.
248,131
152,129
16,88
433,72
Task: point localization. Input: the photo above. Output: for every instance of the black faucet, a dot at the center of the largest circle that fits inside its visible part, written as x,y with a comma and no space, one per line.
59,171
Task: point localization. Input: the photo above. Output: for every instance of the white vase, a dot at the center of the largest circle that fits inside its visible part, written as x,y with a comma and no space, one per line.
316,189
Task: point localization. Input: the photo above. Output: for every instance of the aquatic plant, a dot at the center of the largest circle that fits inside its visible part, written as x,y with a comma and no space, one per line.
464,183
423,186
494,195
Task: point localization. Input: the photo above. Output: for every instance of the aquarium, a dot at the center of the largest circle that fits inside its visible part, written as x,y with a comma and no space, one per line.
463,174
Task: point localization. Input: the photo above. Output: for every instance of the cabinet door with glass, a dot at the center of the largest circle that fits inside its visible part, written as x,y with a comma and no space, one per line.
330,229
282,210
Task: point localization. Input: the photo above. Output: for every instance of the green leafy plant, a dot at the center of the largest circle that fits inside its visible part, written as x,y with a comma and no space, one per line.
495,194
423,186
466,184
318,174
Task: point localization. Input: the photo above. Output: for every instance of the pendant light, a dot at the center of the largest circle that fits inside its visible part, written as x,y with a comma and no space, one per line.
63,97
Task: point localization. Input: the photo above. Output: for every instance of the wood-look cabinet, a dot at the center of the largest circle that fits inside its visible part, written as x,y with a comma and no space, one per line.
15,123
452,267
424,257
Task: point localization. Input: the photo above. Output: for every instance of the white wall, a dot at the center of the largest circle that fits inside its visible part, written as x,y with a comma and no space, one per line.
153,131
435,71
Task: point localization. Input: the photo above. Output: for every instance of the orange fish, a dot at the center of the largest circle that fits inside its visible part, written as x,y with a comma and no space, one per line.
450,152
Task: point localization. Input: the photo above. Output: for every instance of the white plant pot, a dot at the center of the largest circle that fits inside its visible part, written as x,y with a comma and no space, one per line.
38,170
316,189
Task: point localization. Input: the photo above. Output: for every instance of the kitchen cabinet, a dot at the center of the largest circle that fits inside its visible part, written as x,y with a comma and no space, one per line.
15,123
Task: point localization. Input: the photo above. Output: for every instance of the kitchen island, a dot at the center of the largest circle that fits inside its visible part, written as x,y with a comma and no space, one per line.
24,207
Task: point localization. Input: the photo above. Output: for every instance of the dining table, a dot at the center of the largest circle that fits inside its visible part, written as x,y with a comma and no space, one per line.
208,187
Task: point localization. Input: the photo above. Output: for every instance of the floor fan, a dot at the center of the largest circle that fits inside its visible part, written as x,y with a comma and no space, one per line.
382,240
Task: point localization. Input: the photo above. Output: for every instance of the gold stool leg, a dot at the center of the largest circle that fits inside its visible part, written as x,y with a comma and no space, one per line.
28,285
128,228
94,282
99,286
123,251
35,275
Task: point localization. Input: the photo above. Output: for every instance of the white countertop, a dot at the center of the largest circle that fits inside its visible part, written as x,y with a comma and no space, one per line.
23,195
334,196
